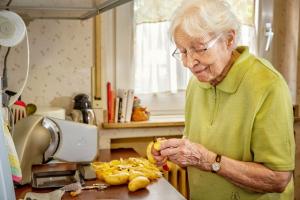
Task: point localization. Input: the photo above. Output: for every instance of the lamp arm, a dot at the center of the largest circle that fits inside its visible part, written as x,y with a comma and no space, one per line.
16,96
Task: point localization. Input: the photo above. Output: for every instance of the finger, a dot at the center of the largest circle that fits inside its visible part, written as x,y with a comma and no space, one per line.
169,151
159,158
175,159
162,162
174,142
155,152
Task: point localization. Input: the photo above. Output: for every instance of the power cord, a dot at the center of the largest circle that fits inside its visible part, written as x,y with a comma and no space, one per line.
8,3
4,75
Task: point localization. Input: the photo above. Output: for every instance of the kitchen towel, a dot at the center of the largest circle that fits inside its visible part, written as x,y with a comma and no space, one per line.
12,155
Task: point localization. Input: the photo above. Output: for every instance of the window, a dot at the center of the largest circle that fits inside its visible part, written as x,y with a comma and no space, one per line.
159,79
142,49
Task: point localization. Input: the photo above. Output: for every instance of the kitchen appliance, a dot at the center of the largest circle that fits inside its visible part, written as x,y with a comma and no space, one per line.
55,112
40,139
82,111
54,175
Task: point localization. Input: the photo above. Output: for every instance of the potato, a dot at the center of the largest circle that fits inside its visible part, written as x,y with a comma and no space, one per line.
138,183
156,146
134,173
149,153
152,175
117,172
116,178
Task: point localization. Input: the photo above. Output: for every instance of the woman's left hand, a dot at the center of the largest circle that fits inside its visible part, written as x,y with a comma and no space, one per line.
186,153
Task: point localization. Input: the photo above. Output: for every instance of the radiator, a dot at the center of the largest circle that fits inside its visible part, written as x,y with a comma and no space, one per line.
177,176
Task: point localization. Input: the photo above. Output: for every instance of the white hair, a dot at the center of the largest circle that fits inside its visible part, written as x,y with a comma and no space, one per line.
202,17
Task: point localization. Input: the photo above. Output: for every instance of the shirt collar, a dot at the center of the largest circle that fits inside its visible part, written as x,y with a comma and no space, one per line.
235,75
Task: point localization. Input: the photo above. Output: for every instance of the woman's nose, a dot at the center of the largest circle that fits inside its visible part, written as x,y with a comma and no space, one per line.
191,62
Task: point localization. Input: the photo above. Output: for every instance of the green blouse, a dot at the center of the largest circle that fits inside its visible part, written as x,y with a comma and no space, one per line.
246,117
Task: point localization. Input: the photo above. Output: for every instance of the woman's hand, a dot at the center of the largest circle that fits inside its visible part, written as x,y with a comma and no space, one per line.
186,153
160,160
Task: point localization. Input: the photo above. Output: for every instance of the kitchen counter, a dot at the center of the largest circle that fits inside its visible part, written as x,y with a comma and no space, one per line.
158,190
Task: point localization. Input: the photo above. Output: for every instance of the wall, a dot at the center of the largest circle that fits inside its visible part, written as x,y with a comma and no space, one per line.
61,57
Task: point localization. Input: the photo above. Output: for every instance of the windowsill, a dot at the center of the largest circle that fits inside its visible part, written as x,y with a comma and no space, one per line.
154,121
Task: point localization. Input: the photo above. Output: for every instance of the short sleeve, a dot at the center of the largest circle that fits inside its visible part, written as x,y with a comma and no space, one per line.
272,141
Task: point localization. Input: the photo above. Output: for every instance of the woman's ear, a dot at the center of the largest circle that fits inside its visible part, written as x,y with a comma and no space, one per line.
231,39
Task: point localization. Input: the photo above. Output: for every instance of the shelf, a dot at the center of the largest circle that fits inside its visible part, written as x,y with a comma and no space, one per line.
155,121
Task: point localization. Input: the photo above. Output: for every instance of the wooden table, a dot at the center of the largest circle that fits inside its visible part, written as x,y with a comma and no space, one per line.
158,190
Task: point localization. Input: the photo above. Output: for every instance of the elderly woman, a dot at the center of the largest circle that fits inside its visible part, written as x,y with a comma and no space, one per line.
238,141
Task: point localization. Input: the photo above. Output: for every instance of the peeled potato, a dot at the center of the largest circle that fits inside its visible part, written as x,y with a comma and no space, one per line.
156,146
116,178
133,174
149,153
138,183
152,175
121,171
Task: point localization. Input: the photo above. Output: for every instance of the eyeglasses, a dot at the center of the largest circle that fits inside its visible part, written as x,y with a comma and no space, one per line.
177,54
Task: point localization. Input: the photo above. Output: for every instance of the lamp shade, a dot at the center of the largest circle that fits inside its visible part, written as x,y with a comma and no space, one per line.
12,28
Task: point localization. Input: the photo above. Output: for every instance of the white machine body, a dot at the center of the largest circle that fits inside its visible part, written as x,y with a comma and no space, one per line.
40,139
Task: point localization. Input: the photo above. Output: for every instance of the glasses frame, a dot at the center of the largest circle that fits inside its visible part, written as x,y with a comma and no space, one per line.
178,55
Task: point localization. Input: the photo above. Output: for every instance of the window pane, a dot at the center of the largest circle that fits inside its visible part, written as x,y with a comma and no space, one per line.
150,11
155,68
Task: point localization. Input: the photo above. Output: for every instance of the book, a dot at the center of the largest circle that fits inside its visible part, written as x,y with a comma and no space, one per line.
123,94
120,109
112,108
108,92
110,103
130,98
117,102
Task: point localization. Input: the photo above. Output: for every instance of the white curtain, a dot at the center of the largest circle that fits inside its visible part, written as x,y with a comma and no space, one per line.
155,69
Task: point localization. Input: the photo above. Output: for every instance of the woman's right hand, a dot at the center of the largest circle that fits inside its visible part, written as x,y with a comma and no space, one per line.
160,160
